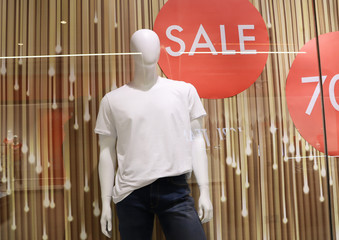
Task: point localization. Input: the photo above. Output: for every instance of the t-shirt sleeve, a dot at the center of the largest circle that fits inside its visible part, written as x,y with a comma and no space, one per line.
195,106
105,121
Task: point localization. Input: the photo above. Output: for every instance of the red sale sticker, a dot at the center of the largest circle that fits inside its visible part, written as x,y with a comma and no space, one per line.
220,46
304,97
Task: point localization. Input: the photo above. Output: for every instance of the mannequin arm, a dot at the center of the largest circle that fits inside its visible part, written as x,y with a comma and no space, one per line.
200,169
107,164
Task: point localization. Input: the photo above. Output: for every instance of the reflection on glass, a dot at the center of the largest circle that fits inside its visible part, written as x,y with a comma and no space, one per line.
267,181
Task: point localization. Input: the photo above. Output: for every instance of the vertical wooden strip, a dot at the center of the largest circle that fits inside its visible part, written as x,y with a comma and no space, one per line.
17,46
119,44
229,172
313,194
210,228
106,45
215,165
237,147
17,223
251,153
83,121
9,126
307,200
10,45
319,21
294,205
30,92
93,181
112,44
316,194
265,203
334,23
300,25
133,17
126,32
243,159
334,170
326,16
65,112
10,187
139,14
93,161
71,230
155,10
24,119
146,14
223,166
306,21
99,49
301,205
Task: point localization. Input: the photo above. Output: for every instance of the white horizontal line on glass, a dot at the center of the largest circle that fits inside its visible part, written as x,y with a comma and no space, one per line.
241,52
71,55
117,54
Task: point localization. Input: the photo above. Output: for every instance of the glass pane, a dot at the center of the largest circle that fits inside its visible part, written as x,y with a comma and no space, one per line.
266,161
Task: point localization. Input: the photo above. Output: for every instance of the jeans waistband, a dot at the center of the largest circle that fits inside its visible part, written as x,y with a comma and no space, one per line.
182,176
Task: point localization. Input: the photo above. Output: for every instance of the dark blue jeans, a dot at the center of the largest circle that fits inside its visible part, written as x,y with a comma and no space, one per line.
169,199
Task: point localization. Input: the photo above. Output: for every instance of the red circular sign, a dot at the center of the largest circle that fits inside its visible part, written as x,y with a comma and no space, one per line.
220,46
303,92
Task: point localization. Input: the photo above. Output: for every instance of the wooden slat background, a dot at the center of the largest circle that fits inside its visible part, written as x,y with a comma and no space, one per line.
266,181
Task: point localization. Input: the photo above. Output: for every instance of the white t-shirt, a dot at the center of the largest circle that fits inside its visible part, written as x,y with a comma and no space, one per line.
152,129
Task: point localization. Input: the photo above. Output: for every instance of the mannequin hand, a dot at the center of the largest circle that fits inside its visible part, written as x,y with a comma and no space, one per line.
106,217
205,206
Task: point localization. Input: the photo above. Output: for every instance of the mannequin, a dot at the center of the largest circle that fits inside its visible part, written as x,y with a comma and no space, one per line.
146,80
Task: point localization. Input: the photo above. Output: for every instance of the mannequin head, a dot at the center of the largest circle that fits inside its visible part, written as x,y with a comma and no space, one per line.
147,43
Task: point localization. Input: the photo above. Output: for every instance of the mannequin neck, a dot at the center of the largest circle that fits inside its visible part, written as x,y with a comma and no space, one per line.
145,76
